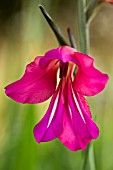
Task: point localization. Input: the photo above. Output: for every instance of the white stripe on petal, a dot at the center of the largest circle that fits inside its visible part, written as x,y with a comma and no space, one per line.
53,110
70,112
78,107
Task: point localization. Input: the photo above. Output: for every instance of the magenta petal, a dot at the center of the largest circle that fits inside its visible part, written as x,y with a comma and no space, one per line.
79,129
91,126
88,80
63,54
68,137
37,84
50,127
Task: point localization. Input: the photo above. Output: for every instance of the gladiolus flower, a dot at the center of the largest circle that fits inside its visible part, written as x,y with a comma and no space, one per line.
68,117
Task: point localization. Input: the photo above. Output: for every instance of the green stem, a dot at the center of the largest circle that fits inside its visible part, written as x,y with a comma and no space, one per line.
89,162
85,162
90,8
82,26
91,157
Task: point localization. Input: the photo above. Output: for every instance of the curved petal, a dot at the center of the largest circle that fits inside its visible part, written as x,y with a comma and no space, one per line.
79,129
92,127
63,54
37,84
68,137
50,127
88,80
84,104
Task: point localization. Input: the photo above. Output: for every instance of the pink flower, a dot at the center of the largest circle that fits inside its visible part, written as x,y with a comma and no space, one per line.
68,116
109,1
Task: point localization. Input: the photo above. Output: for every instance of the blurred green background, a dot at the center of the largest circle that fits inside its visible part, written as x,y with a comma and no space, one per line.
24,34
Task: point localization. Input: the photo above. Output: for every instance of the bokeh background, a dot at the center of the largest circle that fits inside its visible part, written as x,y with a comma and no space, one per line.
25,34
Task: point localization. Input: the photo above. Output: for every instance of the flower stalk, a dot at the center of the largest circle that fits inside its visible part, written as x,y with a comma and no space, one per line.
82,26
90,8
83,17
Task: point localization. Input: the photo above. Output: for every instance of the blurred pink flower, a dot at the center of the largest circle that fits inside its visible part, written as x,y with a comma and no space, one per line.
68,116
109,1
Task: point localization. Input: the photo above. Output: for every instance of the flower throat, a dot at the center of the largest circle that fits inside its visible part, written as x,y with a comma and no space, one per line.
63,69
